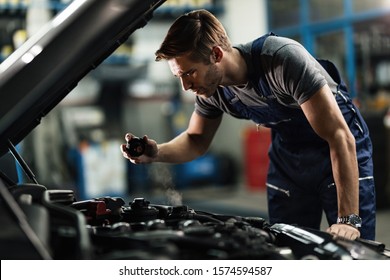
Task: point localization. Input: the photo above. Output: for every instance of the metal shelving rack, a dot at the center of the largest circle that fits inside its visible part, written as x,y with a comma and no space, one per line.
308,30
13,12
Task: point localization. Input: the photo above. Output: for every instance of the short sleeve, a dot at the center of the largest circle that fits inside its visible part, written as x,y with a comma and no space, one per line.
207,107
295,72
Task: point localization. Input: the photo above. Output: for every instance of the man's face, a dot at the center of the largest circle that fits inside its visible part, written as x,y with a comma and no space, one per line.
202,79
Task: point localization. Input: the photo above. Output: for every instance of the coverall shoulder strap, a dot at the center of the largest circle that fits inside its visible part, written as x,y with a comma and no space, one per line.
259,42
258,76
331,69
334,73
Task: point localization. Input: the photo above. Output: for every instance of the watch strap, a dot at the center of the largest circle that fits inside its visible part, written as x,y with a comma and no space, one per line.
352,220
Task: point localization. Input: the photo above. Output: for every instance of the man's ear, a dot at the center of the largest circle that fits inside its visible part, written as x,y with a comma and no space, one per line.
216,54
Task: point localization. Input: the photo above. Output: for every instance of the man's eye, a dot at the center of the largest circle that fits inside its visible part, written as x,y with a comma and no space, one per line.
189,73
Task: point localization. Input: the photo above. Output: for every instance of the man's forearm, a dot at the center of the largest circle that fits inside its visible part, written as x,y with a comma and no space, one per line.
346,176
182,148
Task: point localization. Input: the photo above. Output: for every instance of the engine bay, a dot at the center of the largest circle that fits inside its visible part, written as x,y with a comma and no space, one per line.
109,228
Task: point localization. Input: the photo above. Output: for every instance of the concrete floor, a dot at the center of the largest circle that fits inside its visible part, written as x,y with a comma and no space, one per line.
243,202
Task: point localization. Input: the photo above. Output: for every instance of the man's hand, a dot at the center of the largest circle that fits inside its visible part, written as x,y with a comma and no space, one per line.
344,231
150,153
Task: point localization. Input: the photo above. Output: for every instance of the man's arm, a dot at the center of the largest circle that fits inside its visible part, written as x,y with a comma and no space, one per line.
191,143
328,122
185,147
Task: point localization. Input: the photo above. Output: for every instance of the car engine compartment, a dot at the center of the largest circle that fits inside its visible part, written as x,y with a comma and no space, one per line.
109,228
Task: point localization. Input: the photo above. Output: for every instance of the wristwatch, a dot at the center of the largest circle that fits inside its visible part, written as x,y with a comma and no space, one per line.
352,220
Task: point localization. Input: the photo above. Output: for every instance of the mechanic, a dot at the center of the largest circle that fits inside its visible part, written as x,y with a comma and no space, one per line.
321,153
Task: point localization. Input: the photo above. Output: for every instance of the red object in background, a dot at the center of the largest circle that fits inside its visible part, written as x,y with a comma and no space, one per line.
256,144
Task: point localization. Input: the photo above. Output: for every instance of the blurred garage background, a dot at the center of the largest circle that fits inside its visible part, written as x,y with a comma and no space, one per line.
77,144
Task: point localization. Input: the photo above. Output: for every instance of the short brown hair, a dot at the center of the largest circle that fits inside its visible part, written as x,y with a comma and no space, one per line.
194,33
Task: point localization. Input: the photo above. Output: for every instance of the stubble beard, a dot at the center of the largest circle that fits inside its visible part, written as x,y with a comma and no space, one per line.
212,81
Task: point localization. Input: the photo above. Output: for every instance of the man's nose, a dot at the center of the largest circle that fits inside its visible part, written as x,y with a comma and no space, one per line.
185,84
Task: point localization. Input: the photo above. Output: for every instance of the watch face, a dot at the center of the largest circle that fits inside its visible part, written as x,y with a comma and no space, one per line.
355,220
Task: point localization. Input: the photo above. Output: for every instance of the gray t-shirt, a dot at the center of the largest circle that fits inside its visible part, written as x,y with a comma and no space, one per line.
292,74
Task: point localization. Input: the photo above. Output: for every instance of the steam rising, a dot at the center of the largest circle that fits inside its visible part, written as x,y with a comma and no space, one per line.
174,198
162,175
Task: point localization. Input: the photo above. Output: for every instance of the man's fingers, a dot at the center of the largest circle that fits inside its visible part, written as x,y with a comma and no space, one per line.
344,231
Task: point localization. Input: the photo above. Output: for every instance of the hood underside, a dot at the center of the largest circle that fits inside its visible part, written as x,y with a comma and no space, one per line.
39,74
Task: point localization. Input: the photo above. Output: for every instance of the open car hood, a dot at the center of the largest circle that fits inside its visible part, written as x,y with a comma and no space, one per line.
39,74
